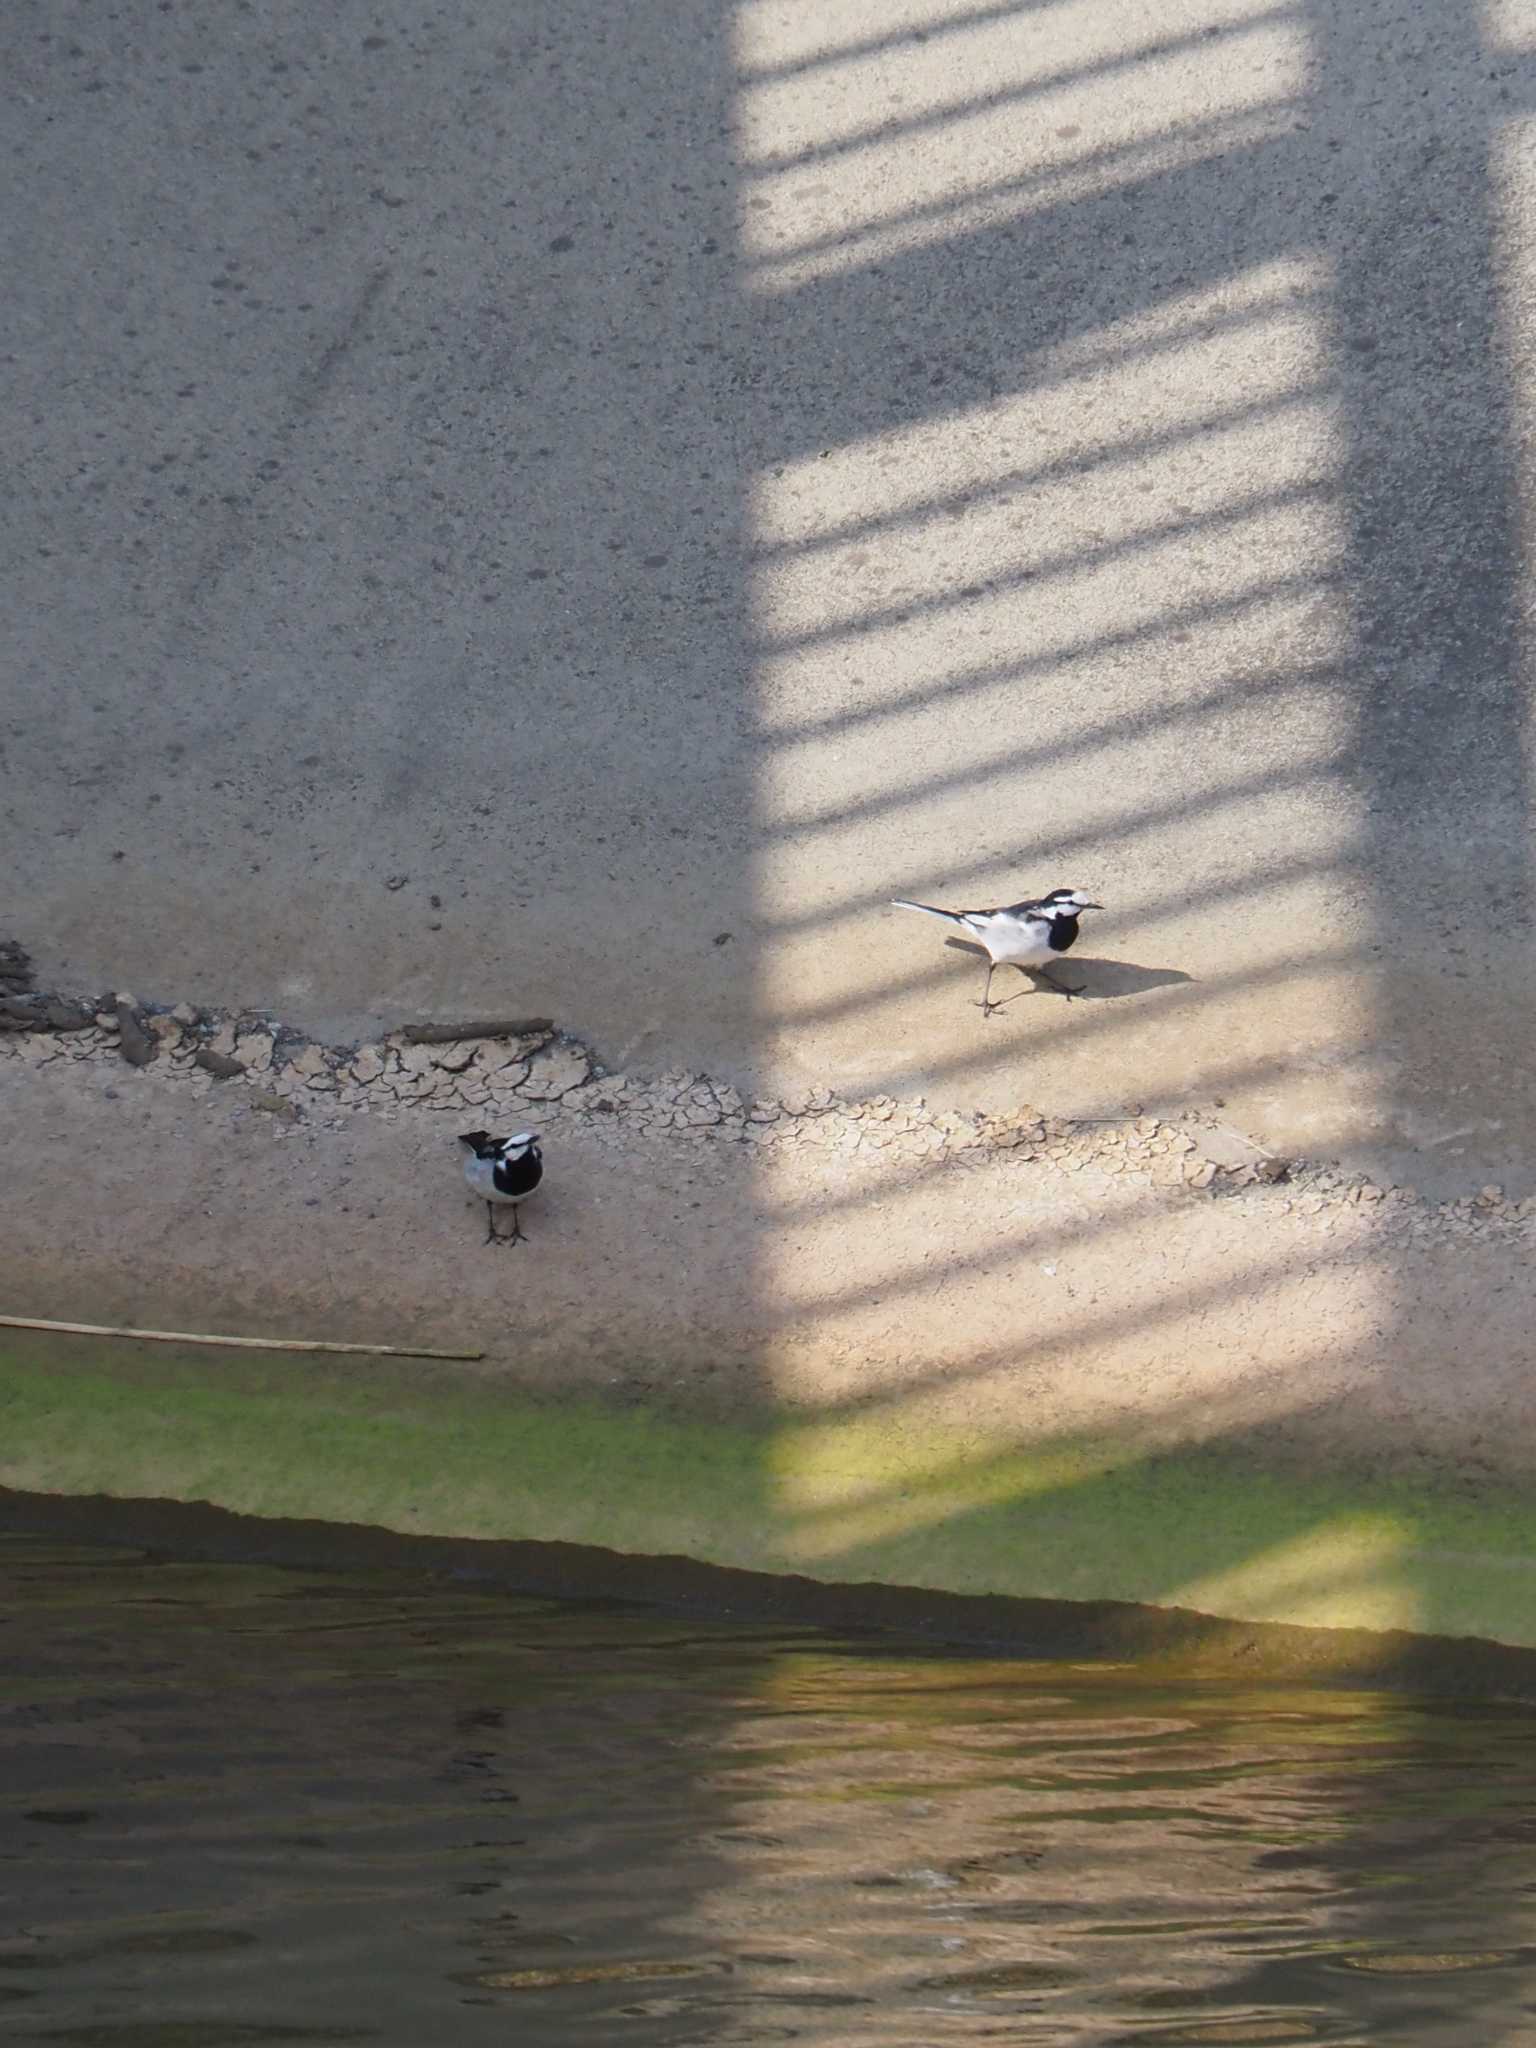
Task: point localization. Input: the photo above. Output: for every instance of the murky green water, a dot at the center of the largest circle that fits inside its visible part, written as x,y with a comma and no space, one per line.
241,1805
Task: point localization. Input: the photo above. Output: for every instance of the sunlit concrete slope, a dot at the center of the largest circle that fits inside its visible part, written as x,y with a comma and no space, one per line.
578,509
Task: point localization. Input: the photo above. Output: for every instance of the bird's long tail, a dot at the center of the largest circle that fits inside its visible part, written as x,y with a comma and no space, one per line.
928,910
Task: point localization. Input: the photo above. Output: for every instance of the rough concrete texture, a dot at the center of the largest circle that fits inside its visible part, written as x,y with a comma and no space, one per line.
499,502
855,1339
566,511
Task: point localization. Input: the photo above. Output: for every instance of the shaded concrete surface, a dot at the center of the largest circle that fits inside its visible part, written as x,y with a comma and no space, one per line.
500,503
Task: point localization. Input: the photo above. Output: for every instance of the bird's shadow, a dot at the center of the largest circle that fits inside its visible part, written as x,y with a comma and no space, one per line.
1100,980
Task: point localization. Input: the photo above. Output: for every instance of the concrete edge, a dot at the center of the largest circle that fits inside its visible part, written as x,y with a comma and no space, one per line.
1250,1569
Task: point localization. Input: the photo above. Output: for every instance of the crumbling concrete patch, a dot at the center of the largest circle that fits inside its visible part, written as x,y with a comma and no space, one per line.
524,1071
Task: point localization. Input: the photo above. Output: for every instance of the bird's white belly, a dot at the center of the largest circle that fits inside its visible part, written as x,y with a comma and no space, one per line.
481,1176
1021,945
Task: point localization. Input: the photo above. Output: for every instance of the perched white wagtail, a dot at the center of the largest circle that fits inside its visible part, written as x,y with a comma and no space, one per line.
1024,935
502,1170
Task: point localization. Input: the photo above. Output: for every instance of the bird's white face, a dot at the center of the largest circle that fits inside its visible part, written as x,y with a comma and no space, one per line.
525,1141
1071,901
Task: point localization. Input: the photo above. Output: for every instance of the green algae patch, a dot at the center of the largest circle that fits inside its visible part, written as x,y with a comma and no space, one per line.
1218,1529
421,1454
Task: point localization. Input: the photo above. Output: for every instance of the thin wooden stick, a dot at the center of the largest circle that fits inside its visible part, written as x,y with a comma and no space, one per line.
242,1343
477,1027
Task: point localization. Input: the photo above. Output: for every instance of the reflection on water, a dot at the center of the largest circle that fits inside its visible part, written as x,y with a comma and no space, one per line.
241,1805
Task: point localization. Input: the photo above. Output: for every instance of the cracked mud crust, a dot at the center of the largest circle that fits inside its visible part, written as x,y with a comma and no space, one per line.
540,1073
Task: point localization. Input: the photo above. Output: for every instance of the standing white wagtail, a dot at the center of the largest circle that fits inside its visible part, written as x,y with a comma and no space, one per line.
1024,935
502,1170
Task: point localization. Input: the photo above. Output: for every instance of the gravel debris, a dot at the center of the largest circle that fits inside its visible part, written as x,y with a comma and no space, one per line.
504,1078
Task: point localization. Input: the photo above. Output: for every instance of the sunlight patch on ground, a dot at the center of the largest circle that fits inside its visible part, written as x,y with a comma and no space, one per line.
1345,1573
979,119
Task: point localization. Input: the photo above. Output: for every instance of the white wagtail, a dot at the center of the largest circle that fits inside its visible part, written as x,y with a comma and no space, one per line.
1023,935
502,1170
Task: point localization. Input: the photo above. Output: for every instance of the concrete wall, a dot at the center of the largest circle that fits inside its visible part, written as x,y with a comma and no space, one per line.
570,510
503,502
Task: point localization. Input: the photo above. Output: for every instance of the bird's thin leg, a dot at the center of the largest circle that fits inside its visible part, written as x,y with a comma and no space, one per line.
987,1004
1062,988
519,1235
490,1224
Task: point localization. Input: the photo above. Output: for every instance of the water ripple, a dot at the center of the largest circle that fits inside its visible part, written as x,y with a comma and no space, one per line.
244,1806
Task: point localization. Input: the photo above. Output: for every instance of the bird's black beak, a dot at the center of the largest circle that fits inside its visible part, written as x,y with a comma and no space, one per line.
1090,906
